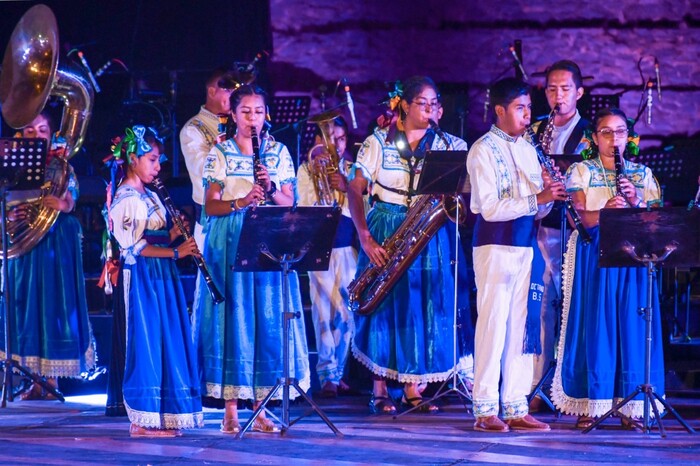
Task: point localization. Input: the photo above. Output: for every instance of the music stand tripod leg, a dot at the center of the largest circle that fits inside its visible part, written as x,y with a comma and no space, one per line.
286,381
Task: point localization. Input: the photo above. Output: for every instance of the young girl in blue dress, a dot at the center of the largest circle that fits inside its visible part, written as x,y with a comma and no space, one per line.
161,385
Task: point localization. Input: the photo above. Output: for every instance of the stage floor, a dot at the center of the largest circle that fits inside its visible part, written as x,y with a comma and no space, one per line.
77,433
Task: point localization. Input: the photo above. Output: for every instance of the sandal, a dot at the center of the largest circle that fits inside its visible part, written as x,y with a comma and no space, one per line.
584,422
150,432
630,425
264,425
381,405
230,426
421,407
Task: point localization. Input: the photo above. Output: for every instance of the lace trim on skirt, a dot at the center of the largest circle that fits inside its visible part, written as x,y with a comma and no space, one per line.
164,420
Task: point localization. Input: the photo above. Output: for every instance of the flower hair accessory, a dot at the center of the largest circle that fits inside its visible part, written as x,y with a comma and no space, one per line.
133,142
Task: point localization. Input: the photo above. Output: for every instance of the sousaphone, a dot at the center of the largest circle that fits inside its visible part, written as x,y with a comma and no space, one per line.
30,75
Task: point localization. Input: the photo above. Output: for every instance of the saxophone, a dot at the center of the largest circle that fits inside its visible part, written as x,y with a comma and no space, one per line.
423,219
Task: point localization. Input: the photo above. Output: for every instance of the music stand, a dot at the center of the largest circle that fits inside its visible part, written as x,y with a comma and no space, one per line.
444,172
274,238
22,164
292,112
647,237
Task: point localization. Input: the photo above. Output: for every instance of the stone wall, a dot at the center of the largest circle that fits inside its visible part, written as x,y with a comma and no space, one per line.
464,44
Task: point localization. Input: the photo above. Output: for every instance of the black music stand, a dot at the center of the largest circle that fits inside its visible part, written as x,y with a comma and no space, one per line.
444,172
22,164
647,237
292,112
286,237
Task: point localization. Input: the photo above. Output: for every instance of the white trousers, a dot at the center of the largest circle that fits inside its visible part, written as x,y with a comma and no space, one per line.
502,275
333,322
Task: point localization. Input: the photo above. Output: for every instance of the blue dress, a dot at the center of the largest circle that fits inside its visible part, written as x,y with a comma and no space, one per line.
240,340
161,383
51,333
409,337
601,349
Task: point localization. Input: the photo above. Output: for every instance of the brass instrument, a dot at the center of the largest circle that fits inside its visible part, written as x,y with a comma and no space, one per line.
30,75
324,160
547,136
423,219
216,295
256,158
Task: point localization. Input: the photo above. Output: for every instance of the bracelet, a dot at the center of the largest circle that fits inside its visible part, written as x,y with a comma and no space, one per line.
273,190
234,205
176,254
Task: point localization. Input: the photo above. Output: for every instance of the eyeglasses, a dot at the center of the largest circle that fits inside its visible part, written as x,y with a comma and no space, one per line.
608,133
422,104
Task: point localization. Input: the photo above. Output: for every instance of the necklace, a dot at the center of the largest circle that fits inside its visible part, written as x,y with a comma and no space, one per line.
611,189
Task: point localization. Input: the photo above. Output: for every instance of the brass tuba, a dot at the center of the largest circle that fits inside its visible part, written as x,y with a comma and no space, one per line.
423,220
324,160
30,75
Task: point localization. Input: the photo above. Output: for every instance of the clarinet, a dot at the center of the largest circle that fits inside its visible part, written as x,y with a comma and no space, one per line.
216,295
619,173
568,202
256,158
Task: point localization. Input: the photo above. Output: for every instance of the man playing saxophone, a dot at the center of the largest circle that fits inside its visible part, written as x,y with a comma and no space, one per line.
320,183
408,337
563,88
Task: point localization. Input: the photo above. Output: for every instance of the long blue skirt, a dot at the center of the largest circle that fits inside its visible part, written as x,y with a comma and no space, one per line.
161,383
240,340
50,330
409,337
601,351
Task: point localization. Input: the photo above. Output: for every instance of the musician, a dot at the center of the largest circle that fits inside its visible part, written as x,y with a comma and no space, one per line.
509,190
240,340
161,383
200,134
332,321
47,285
408,338
600,357
563,87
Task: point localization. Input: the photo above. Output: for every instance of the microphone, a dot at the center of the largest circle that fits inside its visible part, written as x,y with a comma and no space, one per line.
87,67
251,66
101,70
650,100
351,105
439,132
658,77
518,62
487,103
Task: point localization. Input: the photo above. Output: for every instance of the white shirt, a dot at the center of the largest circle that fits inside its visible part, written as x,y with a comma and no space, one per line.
233,171
379,161
197,138
561,134
505,177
